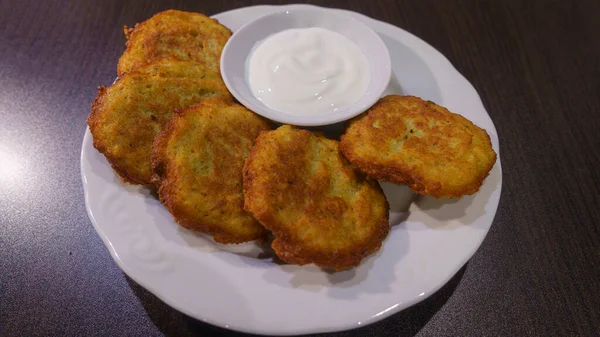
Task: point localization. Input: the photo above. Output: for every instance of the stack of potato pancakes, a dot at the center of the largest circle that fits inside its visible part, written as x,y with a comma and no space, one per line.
169,123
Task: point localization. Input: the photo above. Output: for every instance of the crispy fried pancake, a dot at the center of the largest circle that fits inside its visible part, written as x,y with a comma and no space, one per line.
197,161
126,116
320,208
407,140
184,35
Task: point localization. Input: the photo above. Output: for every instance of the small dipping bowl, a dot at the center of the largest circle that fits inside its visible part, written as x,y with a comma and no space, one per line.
242,42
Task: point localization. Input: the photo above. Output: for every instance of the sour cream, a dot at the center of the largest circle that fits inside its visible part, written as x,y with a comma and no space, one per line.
307,72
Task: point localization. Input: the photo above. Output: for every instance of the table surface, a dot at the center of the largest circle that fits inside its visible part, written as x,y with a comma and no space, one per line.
534,63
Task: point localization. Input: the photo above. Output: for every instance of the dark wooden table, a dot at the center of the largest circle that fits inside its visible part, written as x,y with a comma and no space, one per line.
536,65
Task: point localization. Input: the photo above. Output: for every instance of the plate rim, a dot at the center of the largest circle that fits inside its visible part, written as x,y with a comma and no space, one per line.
387,312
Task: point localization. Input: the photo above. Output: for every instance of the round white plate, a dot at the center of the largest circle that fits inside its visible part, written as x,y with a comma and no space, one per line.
429,242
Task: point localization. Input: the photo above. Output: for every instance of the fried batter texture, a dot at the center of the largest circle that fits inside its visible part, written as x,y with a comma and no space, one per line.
197,161
184,35
126,116
407,140
319,207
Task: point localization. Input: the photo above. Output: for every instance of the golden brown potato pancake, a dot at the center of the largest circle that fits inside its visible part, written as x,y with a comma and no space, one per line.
184,35
126,116
320,208
407,140
197,161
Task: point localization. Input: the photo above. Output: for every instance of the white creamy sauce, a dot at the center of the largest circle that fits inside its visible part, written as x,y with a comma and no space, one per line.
307,72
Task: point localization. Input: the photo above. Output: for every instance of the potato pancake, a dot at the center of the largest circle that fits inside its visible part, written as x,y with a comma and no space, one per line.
319,207
197,161
126,116
406,140
184,35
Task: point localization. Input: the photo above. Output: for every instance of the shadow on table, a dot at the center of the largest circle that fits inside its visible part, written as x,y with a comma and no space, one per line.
405,323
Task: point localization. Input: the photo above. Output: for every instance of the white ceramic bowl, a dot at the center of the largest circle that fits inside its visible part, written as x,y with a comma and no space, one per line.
240,45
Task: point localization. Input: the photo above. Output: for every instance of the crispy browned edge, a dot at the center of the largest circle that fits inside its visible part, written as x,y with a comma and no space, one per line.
286,252
93,122
130,32
341,261
159,162
408,177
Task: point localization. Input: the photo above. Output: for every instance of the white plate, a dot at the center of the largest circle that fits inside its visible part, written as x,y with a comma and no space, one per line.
429,242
